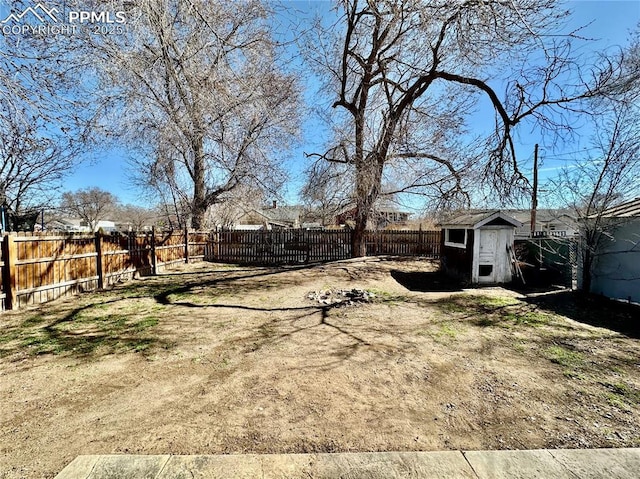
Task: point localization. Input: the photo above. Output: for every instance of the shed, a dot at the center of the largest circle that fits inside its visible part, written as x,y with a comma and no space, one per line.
478,246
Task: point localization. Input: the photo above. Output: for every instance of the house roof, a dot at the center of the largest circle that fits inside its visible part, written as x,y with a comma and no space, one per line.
543,216
392,210
379,209
630,209
477,219
281,216
289,214
68,221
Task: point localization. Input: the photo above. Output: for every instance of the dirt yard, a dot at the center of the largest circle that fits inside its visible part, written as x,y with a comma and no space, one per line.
217,359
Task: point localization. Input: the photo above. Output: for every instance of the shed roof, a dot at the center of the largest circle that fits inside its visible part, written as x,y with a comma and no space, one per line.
629,209
477,219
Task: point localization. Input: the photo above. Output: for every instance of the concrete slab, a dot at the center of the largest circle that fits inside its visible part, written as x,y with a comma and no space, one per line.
516,465
392,465
433,465
79,468
557,464
288,466
128,467
597,463
246,466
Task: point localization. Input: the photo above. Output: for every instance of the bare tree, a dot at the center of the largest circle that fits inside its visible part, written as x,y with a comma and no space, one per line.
31,166
628,83
595,183
91,205
234,205
133,217
407,76
327,191
198,84
44,119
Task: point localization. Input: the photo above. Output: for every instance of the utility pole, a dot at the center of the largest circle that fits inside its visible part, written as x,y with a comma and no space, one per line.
534,199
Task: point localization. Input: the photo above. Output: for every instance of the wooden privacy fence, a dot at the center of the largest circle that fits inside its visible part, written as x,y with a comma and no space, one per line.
294,246
279,246
39,268
404,243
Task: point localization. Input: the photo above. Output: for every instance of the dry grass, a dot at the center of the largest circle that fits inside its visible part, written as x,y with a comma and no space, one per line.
217,359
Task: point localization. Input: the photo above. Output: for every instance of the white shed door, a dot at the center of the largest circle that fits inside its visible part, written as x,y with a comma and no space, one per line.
487,256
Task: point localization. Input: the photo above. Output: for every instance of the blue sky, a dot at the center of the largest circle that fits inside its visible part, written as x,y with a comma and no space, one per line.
609,21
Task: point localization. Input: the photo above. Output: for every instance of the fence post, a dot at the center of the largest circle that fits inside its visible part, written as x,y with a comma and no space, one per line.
10,254
99,261
154,261
306,235
186,244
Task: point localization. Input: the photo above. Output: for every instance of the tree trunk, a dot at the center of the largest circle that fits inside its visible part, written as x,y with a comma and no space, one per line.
198,213
368,181
199,206
358,243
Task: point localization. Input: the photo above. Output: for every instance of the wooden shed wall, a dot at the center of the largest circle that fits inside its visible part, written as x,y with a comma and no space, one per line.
458,262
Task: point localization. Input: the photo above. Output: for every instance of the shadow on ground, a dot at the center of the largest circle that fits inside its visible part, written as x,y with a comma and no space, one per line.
592,310
426,281
91,330
586,309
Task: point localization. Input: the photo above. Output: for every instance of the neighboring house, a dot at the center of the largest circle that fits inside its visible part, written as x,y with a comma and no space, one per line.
311,226
78,226
549,223
478,246
107,226
125,227
390,216
616,268
381,217
276,217
67,225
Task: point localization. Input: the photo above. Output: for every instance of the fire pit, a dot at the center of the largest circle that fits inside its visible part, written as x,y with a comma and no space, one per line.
341,297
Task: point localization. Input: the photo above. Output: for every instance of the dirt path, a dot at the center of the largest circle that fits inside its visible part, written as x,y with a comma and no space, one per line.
231,360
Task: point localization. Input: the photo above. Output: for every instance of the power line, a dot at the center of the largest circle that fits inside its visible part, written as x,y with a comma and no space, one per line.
565,153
